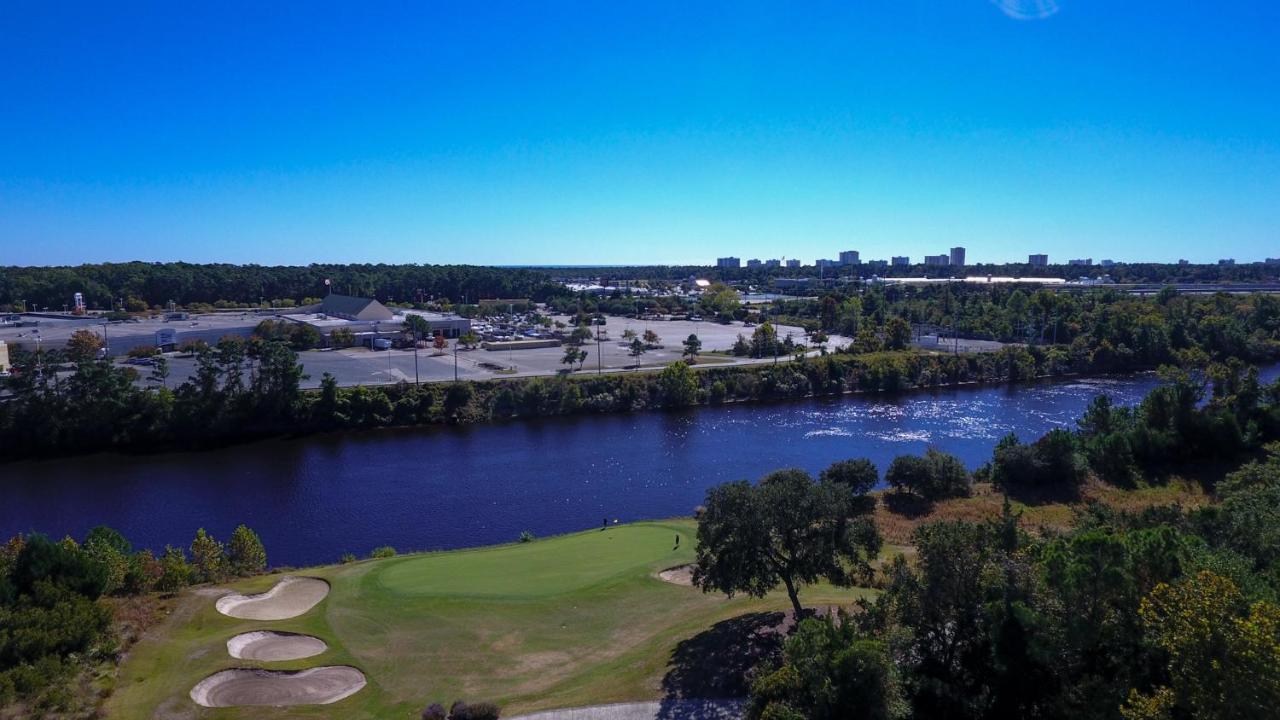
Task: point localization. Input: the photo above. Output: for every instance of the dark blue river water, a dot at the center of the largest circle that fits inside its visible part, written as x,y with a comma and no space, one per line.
314,498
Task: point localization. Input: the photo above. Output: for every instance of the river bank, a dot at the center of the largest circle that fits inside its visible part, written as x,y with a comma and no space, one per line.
316,497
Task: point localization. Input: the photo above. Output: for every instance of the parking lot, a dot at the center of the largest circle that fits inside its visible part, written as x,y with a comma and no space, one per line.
361,366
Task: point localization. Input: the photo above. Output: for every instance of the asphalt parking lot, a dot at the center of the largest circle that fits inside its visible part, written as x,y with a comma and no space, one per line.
361,366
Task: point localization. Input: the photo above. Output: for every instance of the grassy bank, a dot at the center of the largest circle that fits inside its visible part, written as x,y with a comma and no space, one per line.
566,621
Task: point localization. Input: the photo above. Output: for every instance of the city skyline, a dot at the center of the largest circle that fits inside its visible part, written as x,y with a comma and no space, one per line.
662,134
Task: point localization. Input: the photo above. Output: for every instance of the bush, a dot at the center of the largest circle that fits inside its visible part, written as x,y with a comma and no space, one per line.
1048,463
347,558
381,553
935,476
526,536
480,711
435,711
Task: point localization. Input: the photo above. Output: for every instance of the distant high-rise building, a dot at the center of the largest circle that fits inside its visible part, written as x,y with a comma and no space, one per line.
957,256
773,263
1227,261
878,265
849,257
1083,262
754,263
1273,261
937,260
901,261
1038,260
1184,262
728,262
1106,263
793,263
824,263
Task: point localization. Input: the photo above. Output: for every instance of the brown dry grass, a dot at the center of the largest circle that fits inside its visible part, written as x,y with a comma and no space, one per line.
986,503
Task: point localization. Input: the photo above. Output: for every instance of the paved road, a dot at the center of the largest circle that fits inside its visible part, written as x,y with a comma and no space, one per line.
662,710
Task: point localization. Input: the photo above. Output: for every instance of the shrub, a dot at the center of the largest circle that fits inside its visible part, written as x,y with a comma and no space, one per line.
347,558
479,711
435,711
526,536
935,476
380,553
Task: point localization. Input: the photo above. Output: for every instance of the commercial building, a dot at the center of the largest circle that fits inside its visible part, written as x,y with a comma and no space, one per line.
937,260
754,263
824,263
1106,263
1081,262
793,263
877,265
957,256
849,257
773,263
729,262
1040,260
901,261
351,308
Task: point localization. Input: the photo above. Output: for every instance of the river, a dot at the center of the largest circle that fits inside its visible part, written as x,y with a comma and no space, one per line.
314,498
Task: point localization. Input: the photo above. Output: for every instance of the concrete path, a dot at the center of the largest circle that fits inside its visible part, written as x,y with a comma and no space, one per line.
662,710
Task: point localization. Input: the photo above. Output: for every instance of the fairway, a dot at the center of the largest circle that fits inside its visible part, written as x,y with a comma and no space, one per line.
563,565
567,621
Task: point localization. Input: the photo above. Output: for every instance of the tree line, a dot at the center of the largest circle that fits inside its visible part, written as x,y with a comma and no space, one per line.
251,388
56,622
1164,613
140,286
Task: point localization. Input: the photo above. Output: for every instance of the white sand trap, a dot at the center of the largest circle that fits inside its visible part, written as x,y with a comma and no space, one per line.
269,646
243,686
289,598
679,575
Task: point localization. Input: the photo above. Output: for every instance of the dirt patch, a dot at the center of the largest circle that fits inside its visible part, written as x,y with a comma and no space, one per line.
269,646
243,686
289,598
678,575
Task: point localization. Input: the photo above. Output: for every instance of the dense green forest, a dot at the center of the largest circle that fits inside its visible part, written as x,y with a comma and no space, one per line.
141,285
68,607
1167,613
245,389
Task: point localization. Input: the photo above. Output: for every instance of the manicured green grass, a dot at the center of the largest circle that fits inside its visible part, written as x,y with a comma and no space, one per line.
560,622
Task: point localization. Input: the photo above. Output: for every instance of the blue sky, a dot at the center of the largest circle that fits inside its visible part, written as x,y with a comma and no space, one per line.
574,132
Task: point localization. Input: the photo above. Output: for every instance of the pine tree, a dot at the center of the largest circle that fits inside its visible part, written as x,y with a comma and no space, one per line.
245,553
207,558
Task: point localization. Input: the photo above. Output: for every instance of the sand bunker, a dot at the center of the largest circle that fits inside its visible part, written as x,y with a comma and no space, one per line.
271,646
679,575
243,686
290,597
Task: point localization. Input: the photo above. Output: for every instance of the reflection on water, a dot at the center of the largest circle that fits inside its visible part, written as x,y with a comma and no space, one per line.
314,498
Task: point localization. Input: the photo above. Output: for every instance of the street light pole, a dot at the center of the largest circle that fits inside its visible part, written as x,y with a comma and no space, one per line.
455,360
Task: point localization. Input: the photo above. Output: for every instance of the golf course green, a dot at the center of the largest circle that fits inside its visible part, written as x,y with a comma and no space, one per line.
573,620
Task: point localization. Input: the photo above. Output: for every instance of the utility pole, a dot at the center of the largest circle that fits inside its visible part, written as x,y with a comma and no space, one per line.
455,360
599,361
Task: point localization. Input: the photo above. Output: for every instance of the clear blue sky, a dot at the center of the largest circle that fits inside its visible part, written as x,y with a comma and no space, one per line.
612,132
